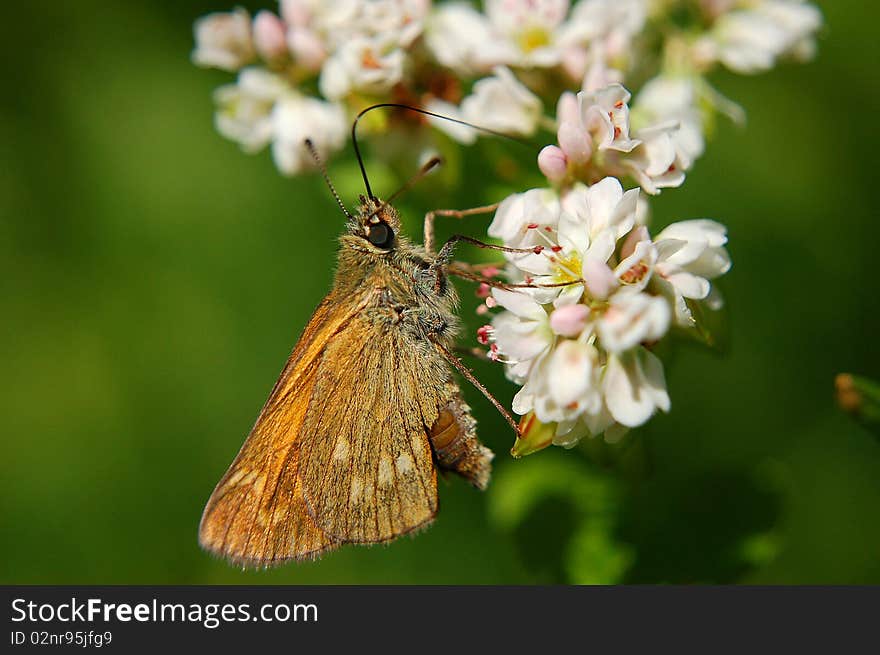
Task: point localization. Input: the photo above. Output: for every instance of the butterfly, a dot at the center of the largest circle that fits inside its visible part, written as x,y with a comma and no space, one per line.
347,447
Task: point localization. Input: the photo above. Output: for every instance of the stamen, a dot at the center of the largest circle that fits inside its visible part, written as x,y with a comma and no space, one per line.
634,274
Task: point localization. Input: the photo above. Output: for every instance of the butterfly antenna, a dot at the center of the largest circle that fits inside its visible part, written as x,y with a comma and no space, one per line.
323,169
395,105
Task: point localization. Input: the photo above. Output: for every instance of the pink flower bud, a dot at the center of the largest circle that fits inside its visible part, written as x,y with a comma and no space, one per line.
575,142
308,50
599,278
270,39
296,12
568,108
569,320
553,164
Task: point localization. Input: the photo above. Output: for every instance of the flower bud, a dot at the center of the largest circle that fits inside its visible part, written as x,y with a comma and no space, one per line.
270,39
534,436
860,398
569,320
308,50
552,162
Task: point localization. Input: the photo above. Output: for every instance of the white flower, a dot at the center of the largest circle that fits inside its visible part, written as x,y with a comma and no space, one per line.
690,253
367,65
751,39
530,220
580,349
563,384
632,318
522,333
560,377
318,30
522,33
461,38
655,163
498,103
530,26
223,40
502,103
305,32
296,118
593,131
244,109
634,387
402,18
613,22
522,217
597,208
605,114
674,98
570,240
598,37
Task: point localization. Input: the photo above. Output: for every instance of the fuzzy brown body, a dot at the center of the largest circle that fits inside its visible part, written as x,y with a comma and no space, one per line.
346,448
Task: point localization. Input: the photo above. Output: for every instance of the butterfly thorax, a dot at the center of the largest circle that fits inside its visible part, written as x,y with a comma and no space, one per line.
402,284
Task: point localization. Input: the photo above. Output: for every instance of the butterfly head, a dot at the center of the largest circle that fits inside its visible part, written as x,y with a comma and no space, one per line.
378,224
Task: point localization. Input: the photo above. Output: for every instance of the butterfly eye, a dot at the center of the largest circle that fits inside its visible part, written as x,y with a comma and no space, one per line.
380,235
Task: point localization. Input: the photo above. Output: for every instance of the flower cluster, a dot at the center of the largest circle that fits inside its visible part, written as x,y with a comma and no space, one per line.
307,70
589,291
601,291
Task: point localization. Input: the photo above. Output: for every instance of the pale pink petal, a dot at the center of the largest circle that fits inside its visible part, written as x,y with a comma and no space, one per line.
569,320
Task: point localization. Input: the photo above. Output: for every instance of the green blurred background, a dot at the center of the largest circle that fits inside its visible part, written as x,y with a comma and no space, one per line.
155,278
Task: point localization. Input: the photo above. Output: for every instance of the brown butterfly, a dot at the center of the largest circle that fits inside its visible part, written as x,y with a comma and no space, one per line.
346,449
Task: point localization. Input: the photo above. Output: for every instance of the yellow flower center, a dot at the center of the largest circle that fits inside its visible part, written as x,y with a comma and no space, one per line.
566,268
533,38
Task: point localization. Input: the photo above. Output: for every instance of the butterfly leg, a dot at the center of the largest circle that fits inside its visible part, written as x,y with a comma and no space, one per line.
466,373
441,261
452,213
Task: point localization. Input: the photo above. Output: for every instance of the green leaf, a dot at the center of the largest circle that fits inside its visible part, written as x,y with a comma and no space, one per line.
588,551
593,557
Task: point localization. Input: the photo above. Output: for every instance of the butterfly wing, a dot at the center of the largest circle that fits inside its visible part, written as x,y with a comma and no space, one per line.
257,514
367,469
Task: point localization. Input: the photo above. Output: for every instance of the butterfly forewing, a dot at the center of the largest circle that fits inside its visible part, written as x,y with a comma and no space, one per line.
257,514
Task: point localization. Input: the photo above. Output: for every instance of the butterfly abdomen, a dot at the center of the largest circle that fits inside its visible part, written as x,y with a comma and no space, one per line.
456,447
